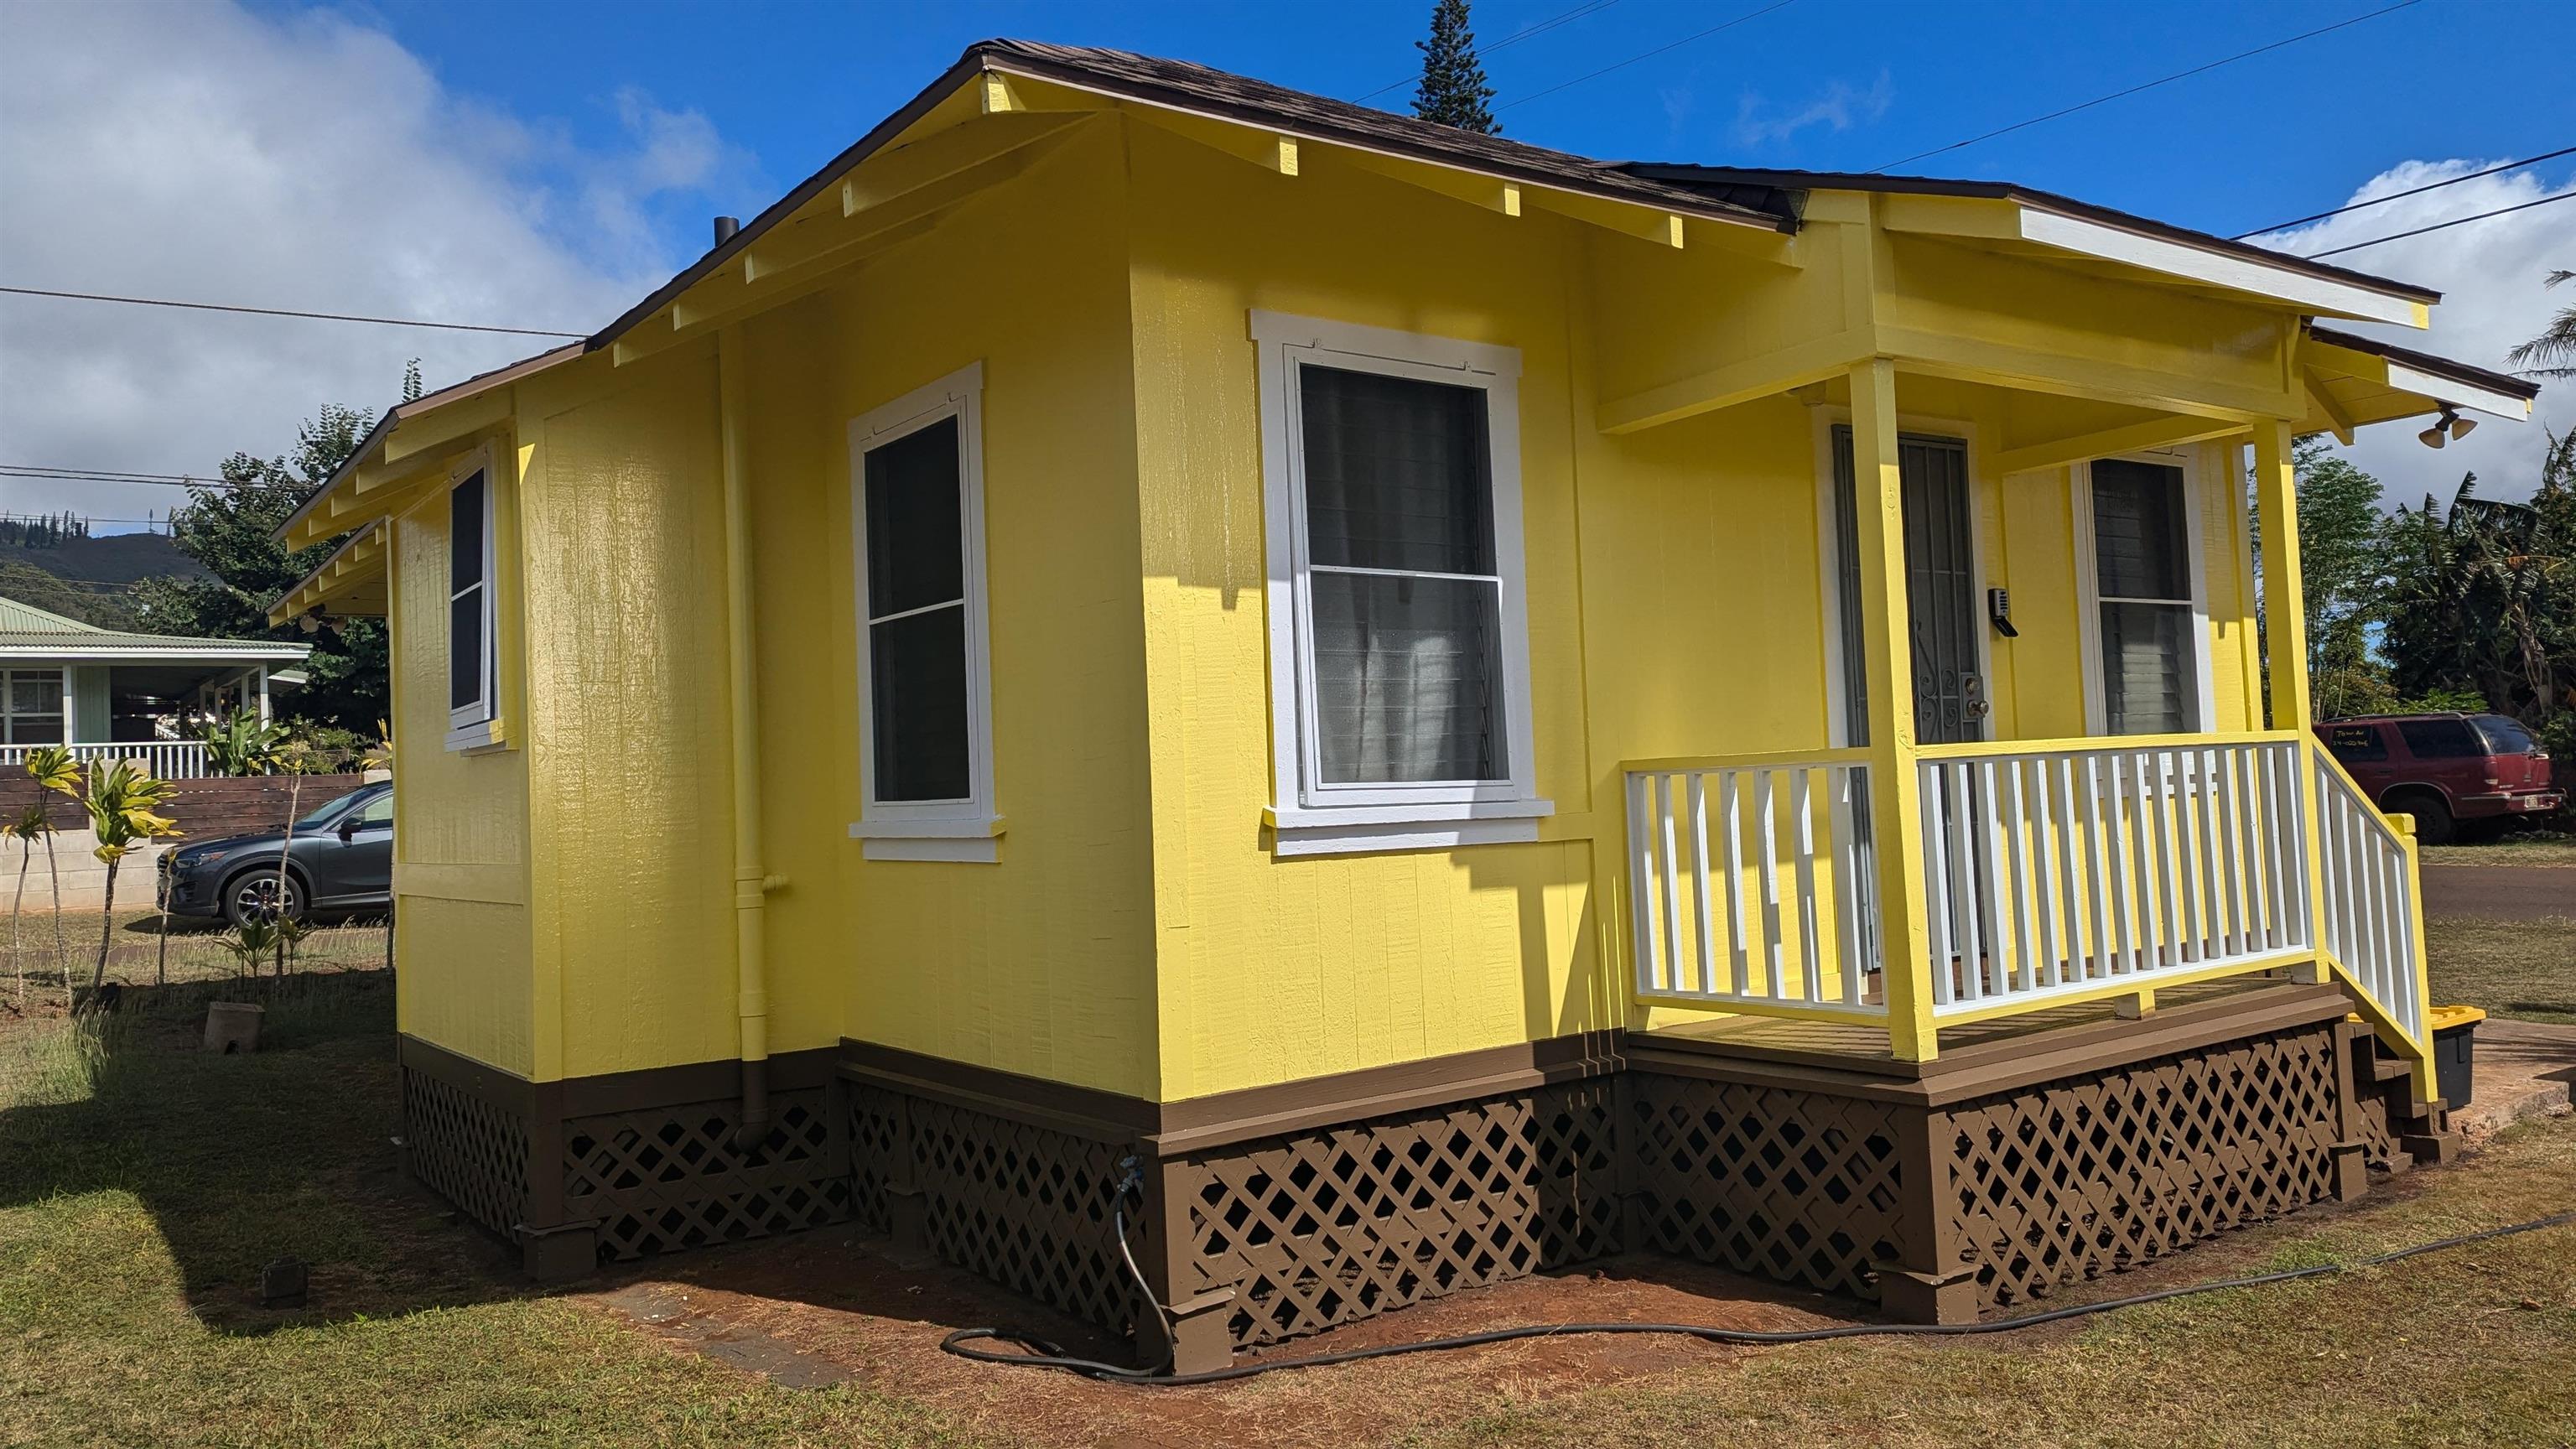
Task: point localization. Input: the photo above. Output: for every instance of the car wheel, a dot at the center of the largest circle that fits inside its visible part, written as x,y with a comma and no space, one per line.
2432,815
261,895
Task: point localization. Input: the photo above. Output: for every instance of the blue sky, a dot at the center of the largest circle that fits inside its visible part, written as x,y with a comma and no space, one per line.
546,164
1820,84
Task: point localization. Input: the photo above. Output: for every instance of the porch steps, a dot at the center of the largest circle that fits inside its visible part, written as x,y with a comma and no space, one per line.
2410,1132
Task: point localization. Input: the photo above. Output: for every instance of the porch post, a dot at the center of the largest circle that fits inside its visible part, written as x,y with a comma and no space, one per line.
2285,610
1895,793
2285,635
263,694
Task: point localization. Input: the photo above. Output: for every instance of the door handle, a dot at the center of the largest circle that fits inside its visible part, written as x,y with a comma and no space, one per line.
1974,686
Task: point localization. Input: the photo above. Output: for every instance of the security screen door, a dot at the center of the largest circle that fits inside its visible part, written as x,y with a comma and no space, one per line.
1950,704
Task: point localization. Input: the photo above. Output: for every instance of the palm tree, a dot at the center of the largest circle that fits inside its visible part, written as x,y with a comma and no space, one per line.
2553,352
53,768
24,830
121,800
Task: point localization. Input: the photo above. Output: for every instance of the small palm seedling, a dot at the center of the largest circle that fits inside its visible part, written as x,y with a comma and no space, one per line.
252,942
122,799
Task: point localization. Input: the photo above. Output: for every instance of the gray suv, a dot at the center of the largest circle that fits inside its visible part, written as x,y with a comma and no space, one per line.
343,861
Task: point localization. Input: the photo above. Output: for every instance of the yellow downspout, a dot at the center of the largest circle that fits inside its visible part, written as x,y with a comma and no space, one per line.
750,884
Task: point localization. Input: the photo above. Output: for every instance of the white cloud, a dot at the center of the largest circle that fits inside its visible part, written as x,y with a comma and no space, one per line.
199,152
2490,274
1836,108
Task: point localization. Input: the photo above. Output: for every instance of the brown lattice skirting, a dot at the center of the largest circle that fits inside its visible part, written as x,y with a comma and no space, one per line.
1990,1178
2107,1169
618,1166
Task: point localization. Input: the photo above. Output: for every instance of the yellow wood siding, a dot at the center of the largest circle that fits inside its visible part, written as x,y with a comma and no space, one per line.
626,720
461,842
1138,934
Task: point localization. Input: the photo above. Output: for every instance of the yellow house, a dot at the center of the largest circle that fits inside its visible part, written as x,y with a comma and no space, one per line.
1385,709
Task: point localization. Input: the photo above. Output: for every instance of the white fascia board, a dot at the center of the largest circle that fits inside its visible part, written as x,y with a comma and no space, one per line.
2321,295
2457,393
158,656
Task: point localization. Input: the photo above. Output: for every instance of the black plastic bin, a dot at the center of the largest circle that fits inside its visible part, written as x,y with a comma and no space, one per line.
2455,1052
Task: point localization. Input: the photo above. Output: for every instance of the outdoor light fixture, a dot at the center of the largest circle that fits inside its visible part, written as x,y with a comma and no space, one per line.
2446,427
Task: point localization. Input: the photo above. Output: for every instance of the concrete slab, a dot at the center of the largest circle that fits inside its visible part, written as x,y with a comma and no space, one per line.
2524,1069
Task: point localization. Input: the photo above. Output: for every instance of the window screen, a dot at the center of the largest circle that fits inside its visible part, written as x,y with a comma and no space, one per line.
2441,739
1402,580
2142,563
469,611
917,678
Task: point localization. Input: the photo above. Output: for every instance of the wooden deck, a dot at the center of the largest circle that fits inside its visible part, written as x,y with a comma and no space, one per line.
1984,1048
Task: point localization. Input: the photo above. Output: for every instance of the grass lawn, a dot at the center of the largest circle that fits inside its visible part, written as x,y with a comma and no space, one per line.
2530,847
2520,969
143,1184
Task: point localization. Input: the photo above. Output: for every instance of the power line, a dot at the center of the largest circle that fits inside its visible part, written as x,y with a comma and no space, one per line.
2145,86
93,475
1660,49
1590,7
2402,195
287,312
2438,226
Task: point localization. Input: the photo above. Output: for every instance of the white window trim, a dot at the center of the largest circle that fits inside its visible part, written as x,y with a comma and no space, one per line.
10,715
1307,816
966,830
2088,586
477,726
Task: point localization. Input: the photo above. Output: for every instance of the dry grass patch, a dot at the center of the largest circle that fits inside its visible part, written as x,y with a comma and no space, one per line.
2531,847
2520,969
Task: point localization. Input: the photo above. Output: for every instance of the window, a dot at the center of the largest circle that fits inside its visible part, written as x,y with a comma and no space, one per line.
1399,642
473,688
2146,626
376,813
2356,744
32,707
924,667
2506,736
2441,739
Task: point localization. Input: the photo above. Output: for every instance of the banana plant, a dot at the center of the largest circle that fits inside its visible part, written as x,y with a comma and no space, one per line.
53,767
240,743
122,801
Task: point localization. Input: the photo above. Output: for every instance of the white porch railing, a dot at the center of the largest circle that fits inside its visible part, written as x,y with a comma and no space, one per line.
2369,906
2050,872
169,759
1713,845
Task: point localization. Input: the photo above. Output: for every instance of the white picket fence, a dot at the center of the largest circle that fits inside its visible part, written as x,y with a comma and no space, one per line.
2049,870
168,759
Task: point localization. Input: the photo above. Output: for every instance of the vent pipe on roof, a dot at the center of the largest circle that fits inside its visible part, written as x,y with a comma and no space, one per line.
726,226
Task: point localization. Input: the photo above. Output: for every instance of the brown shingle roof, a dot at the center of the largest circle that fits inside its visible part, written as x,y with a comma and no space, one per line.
1204,89
1774,191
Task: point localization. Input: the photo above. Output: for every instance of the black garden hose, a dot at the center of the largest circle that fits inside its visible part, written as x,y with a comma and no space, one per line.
1043,1354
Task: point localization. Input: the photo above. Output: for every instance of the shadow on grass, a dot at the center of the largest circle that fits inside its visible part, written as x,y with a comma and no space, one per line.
243,1159
288,1151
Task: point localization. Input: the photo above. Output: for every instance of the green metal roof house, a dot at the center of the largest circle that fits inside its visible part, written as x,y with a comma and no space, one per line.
106,691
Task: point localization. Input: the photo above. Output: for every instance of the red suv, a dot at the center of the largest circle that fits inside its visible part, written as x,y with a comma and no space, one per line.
2453,772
